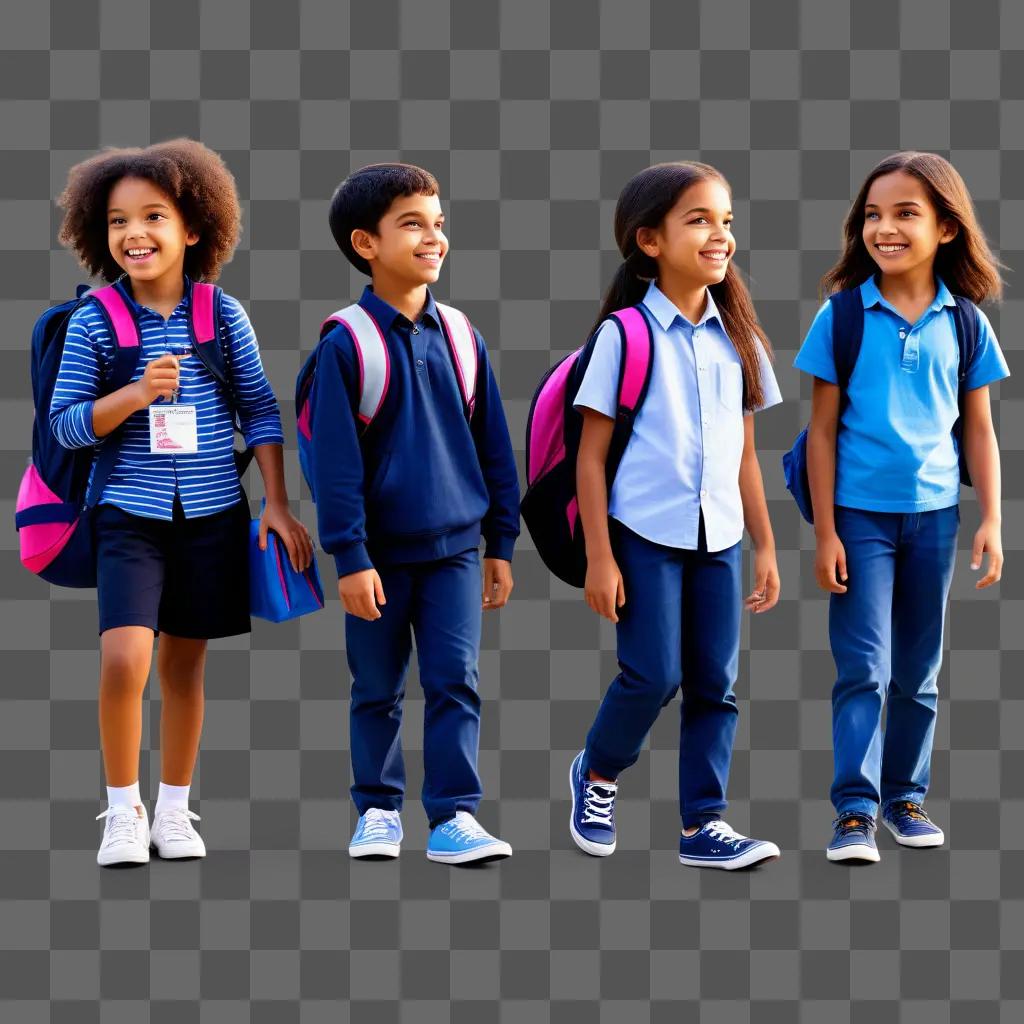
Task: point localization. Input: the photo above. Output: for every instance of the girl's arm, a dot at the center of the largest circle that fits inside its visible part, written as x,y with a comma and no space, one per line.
603,590
982,452
755,515
830,561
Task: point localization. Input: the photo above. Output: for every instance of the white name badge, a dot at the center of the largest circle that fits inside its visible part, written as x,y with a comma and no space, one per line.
173,430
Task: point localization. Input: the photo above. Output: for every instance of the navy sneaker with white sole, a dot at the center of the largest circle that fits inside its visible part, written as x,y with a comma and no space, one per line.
853,838
910,825
716,845
592,821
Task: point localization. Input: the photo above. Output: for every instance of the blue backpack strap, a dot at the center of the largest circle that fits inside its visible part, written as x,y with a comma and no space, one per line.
847,332
114,308
965,322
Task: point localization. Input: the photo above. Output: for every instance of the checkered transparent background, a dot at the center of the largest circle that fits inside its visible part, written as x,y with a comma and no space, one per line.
532,115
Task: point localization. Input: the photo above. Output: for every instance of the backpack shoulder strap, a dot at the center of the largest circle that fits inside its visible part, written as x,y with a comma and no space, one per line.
371,355
965,321
205,325
461,338
637,358
847,331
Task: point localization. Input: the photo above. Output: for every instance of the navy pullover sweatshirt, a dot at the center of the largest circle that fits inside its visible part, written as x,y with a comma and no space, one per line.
421,482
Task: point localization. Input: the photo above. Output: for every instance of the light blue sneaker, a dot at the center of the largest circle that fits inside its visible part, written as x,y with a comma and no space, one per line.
462,839
378,834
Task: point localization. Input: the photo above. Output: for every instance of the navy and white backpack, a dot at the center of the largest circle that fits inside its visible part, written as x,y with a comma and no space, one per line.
847,333
375,369
53,512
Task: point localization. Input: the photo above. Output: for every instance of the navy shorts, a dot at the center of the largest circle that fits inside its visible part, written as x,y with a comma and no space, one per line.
187,577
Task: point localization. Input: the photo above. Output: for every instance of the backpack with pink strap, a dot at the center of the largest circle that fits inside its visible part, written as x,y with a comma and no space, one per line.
550,507
53,512
375,369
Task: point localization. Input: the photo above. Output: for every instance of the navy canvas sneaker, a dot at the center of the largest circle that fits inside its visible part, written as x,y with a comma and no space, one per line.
853,839
592,822
716,845
910,825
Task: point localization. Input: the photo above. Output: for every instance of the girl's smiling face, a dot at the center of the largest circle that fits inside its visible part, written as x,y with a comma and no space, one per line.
694,242
146,233
901,228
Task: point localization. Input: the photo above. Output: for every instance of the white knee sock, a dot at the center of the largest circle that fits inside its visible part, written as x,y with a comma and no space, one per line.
124,796
171,796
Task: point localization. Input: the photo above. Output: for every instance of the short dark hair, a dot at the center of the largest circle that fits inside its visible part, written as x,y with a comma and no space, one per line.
194,176
366,195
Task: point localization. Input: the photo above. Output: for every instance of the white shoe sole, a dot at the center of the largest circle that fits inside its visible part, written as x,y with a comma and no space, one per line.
108,858
759,854
493,851
594,849
858,852
179,852
916,842
375,850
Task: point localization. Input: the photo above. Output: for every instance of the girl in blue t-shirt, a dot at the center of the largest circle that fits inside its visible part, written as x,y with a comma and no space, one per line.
884,470
663,543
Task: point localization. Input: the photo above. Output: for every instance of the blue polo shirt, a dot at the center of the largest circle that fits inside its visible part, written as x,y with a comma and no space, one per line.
895,450
683,457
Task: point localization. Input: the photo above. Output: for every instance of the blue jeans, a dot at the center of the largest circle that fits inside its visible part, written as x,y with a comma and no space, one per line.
439,602
679,627
886,636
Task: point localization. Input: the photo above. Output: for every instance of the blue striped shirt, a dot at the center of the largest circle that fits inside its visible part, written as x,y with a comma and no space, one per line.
144,483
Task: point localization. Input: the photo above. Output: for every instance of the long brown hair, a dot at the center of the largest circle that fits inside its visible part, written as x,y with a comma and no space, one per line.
965,263
644,203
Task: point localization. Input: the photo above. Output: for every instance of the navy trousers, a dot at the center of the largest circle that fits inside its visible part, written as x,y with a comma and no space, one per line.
679,628
439,603
886,635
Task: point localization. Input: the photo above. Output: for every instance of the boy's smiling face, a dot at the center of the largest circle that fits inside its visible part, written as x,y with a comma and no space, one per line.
409,245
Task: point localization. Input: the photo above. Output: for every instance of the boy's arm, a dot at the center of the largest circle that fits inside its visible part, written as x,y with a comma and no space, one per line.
500,525
336,462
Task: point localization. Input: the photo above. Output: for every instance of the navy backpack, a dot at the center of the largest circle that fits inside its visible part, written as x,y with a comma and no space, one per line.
53,512
847,332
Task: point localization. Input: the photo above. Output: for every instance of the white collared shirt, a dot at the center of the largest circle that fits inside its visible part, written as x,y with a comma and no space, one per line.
683,457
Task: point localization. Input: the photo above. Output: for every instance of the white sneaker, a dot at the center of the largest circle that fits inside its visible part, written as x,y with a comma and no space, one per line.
125,836
174,837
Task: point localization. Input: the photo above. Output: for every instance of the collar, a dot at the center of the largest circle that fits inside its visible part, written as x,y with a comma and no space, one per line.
665,312
871,295
385,314
124,285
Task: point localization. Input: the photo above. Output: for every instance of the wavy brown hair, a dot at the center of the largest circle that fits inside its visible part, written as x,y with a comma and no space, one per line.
189,173
644,203
965,263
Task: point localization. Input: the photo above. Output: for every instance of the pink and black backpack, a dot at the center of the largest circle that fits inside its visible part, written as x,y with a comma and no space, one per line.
55,499
549,507
375,369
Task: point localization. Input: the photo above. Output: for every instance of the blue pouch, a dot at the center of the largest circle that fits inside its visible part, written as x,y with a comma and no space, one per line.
276,591
794,467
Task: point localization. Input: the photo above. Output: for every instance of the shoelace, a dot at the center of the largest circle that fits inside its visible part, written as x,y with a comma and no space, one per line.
599,803
912,810
177,823
853,823
121,822
724,833
464,828
376,824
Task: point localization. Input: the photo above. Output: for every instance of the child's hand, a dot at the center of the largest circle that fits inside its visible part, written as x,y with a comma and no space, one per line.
604,589
830,564
988,538
361,592
766,583
159,380
295,537
497,583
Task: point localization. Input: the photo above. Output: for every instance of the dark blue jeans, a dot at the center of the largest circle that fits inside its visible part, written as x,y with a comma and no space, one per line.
679,627
439,602
886,636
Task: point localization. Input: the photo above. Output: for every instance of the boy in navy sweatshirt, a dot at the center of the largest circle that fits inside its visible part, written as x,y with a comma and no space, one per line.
410,463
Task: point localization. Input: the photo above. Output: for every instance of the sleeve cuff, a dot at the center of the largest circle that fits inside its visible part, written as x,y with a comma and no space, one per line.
352,559
500,546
